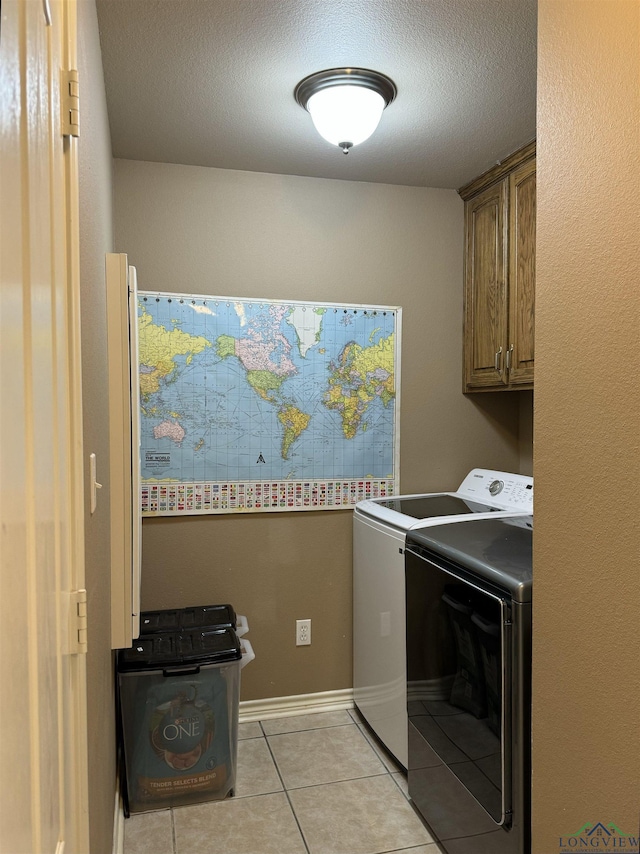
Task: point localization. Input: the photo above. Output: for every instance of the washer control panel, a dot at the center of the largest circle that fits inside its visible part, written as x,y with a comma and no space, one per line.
499,489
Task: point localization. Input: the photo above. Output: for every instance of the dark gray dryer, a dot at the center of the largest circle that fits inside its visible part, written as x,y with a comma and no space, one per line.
468,598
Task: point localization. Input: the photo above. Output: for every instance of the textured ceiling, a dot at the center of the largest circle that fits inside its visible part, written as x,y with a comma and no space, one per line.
210,83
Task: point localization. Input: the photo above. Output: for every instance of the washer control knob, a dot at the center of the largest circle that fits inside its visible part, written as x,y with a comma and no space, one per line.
496,487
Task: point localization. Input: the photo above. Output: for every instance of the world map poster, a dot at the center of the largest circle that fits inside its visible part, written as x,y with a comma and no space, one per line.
251,405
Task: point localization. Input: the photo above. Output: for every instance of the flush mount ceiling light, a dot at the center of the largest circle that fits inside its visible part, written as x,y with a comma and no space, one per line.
345,103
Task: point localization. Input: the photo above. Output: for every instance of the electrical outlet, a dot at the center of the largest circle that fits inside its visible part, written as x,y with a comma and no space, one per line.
303,632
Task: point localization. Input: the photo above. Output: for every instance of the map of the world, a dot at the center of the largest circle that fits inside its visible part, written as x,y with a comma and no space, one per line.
256,405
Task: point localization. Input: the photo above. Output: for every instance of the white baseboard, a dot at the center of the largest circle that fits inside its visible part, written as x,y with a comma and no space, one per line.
118,822
298,704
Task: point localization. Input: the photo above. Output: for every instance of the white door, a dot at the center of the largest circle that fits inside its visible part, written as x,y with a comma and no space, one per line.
43,773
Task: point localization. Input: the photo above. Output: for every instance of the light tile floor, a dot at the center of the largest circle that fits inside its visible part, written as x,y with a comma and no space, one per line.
306,784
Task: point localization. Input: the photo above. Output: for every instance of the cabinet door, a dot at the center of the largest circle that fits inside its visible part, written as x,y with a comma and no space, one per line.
485,335
522,272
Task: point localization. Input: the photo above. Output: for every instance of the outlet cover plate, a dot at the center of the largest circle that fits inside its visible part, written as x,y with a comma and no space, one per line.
303,632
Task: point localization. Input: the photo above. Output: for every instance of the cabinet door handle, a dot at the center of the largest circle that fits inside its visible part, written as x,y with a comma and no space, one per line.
508,358
497,360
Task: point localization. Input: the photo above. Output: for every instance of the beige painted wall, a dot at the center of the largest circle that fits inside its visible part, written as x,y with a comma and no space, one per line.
586,689
224,232
526,431
95,239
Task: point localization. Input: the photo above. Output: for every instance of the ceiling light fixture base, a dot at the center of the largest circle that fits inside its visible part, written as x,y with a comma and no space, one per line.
379,83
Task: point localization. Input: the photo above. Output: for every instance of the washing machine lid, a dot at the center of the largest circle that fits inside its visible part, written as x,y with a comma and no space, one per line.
498,550
431,506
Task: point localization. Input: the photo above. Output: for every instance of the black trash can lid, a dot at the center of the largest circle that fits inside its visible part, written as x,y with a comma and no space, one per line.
195,617
174,649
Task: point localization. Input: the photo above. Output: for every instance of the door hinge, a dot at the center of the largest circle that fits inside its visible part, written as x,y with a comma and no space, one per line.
70,102
78,622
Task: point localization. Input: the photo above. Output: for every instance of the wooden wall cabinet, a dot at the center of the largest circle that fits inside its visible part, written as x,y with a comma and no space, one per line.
500,270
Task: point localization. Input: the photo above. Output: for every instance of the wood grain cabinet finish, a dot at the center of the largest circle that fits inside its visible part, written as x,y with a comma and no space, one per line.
500,266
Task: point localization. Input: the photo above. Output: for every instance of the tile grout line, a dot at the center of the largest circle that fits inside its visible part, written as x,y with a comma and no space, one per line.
310,729
412,848
373,748
402,792
286,793
174,841
385,771
390,762
393,772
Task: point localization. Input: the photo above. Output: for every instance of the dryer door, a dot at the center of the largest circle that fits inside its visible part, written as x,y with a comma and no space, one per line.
458,693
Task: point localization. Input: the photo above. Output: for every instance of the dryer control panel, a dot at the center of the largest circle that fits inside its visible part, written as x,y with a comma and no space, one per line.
504,490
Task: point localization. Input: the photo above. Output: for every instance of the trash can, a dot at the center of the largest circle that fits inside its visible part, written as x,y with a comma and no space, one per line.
201,616
178,694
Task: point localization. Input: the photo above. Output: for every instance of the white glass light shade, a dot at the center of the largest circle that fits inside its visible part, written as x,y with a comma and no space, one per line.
346,114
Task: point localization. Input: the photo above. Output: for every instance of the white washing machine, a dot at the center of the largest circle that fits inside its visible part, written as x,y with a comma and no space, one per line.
380,526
